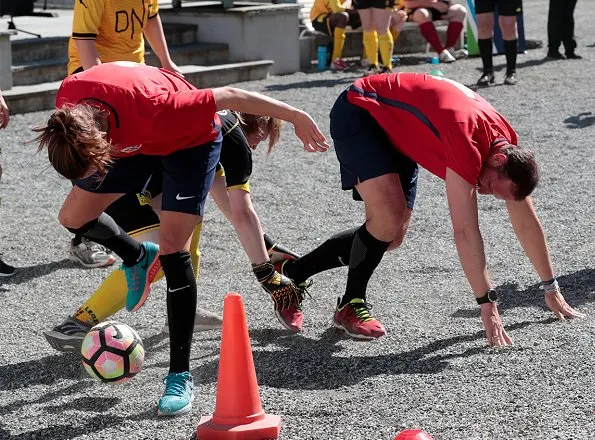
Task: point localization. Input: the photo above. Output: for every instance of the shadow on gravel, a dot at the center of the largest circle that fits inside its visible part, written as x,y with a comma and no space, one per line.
522,64
316,364
578,288
29,273
582,120
65,432
44,371
87,404
320,84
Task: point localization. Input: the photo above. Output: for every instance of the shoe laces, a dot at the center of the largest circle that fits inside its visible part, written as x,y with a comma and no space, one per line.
133,277
302,291
92,247
175,383
361,310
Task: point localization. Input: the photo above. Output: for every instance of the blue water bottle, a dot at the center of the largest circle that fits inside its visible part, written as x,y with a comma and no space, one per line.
322,57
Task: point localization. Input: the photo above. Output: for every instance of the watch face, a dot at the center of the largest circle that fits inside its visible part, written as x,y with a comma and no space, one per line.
492,295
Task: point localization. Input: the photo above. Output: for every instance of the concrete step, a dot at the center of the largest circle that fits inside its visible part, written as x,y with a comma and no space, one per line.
39,49
225,74
49,70
37,97
195,53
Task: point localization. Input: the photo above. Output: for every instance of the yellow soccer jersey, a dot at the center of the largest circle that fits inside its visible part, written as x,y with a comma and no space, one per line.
115,25
321,7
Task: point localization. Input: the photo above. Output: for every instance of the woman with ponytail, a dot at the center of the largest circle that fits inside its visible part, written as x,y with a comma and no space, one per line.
115,125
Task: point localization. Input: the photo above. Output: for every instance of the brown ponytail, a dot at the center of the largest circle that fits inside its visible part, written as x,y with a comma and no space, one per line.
75,137
263,124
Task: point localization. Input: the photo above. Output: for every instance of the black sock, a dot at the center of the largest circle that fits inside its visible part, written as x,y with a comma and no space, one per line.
105,231
77,239
485,50
335,252
510,49
366,254
181,308
263,271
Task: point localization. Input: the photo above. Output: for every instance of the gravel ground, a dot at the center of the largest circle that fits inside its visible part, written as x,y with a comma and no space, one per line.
431,371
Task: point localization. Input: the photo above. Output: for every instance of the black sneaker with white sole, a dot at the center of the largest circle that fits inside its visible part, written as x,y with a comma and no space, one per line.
486,79
68,336
6,270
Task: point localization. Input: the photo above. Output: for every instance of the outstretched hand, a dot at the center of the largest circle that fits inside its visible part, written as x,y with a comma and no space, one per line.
557,304
309,133
495,333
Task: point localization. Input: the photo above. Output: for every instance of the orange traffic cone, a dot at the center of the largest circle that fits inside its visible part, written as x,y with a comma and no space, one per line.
238,412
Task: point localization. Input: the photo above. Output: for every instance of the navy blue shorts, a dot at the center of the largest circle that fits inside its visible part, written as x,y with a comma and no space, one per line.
364,150
187,176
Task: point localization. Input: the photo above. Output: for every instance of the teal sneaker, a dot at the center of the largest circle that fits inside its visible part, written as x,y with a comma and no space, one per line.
178,396
140,276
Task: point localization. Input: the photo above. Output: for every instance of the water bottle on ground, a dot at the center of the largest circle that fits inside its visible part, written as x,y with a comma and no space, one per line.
322,58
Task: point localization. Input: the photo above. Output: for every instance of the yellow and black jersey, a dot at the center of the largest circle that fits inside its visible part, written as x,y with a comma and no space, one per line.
236,155
325,7
115,25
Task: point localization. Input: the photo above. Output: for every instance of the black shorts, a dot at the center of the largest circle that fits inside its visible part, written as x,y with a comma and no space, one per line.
133,212
187,176
378,4
506,8
364,150
236,155
322,23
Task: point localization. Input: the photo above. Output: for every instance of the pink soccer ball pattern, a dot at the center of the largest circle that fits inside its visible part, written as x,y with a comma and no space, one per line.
112,352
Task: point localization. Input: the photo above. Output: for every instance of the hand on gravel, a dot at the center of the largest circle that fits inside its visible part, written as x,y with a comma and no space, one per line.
555,301
494,328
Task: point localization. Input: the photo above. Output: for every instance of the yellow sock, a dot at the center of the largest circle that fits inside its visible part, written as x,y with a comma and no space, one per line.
106,300
386,45
371,47
110,297
395,33
195,249
339,42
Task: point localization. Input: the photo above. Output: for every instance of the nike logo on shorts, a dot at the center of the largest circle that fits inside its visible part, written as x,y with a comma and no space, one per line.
170,290
179,197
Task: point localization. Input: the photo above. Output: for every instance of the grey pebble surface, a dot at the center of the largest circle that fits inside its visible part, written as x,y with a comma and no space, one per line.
432,371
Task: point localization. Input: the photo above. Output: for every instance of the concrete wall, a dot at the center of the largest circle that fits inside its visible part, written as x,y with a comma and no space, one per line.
6,60
256,32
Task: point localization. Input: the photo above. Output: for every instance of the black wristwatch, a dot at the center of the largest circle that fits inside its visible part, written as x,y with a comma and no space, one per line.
491,296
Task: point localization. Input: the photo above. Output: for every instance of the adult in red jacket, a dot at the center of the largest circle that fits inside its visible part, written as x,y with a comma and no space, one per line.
383,127
115,125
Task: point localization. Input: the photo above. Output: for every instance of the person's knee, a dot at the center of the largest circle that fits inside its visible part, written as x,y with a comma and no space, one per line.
508,27
421,15
457,13
386,220
68,220
398,240
171,245
340,19
485,25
